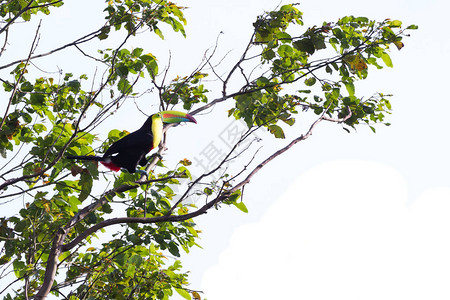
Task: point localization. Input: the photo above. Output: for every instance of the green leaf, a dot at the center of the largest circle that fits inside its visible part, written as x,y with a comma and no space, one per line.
122,70
412,27
21,226
173,249
290,121
208,191
64,255
19,267
387,59
350,88
193,231
74,202
283,36
37,99
310,81
114,134
305,45
262,81
235,196
104,33
318,42
120,259
28,119
395,23
285,51
26,87
38,128
136,260
277,131
241,206
268,54
361,20
137,52
183,293
75,85
86,184
124,86
151,64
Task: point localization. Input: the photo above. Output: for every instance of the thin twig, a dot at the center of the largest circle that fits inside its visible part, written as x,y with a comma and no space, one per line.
16,16
16,86
81,40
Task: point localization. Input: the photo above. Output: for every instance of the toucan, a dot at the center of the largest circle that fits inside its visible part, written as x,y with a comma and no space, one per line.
129,152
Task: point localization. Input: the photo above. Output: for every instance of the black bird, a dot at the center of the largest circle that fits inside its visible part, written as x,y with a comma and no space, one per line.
129,152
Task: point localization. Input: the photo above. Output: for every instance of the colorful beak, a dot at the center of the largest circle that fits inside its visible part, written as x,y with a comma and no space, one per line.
173,116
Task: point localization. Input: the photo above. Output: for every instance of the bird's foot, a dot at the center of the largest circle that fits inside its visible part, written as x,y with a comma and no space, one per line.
142,172
159,156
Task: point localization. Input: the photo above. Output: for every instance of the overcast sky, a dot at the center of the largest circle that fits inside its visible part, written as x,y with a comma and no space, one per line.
340,216
357,216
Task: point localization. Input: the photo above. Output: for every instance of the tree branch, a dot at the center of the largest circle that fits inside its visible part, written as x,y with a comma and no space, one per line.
60,236
130,220
340,120
16,16
16,86
278,153
77,126
27,7
81,40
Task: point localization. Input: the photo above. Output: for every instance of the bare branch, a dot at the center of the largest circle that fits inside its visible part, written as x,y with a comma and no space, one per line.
277,153
340,120
5,43
77,126
27,7
236,66
16,86
130,220
81,40
60,236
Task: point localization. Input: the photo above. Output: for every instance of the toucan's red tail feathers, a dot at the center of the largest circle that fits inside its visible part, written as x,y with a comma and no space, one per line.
104,161
110,165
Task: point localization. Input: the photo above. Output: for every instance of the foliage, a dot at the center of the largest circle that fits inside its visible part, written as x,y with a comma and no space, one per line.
51,244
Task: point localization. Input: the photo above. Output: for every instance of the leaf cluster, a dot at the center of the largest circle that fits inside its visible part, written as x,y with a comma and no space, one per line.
352,44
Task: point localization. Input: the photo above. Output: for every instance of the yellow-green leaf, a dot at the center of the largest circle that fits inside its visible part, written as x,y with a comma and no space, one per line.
241,206
183,293
277,131
350,88
355,62
395,23
387,60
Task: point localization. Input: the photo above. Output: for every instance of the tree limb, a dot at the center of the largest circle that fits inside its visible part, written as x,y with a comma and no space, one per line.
16,16
81,40
340,120
57,245
16,86
279,152
130,220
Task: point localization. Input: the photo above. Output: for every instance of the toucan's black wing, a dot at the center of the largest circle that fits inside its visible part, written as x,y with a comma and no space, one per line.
138,141
128,159
143,161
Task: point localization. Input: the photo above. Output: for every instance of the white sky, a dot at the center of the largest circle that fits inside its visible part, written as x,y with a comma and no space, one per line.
341,216
358,216
331,237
